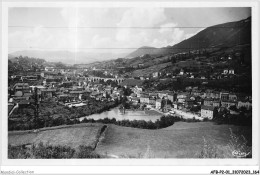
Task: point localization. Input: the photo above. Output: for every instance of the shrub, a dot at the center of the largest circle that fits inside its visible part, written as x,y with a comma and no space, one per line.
208,150
238,146
86,152
45,151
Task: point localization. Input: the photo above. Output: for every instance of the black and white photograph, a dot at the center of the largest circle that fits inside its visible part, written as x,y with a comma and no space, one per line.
130,83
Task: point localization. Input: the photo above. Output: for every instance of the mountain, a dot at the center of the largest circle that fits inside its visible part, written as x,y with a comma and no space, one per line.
67,56
141,51
218,36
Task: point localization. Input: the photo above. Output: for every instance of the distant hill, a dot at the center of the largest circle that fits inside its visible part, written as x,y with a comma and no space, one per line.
67,57
142,51
222,35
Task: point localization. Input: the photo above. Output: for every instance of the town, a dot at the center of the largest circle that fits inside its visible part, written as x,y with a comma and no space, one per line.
144,90
76,87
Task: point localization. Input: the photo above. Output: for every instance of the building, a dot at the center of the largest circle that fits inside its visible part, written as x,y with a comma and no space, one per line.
76,94
158,104
48,93
227,103
49,69
152,101
246,104
207,112
155,74
228,71
232,97
170,97
224,95
212,102
23,87
216,103
175,105
181,72
161,95
144,99
208,102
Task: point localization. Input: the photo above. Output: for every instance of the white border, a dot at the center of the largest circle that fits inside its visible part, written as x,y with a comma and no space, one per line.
136,162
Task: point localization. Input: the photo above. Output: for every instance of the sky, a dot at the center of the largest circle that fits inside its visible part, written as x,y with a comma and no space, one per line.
116,30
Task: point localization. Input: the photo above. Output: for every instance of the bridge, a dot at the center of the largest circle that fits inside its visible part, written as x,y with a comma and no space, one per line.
93,79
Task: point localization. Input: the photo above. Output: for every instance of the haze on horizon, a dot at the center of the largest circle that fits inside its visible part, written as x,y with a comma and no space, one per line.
110,30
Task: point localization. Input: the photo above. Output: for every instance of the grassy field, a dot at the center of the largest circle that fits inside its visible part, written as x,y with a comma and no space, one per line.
73,135
181,140
153,112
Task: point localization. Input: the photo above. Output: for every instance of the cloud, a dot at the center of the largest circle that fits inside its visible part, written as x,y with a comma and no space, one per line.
142,17
167,27
127,28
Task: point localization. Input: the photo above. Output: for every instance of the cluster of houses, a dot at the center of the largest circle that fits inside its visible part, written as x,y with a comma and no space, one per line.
182,102
224,73
67,86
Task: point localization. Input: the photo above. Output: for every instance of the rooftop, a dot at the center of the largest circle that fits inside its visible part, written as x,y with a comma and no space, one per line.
211,108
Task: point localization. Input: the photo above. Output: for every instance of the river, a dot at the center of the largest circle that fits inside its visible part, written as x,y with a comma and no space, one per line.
128,115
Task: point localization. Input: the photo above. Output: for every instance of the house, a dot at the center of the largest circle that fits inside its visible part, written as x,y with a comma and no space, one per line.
94,94
48,93
207,112
23,87
225,71
232,97
181,72
170,97
144,99
135,100
67,84
231,71
158,104
216,103
152,101
244,103
76,94
228,71
49,69
155,74
152,94
224,95
24,103
189,103
208,102
181,97
175,105
99,97
227,103
161,95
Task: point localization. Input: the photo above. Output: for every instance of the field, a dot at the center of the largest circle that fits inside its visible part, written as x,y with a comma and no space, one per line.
181,140
73,136
153,112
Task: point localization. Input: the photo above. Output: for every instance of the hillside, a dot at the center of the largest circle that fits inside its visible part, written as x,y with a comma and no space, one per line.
67,57
181,140
222,35
142,51
69,135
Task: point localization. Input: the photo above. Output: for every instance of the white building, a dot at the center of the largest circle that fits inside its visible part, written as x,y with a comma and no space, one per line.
245,104
207,112
158,103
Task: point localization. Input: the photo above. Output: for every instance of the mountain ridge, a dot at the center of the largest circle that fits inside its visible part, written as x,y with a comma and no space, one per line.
220,35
